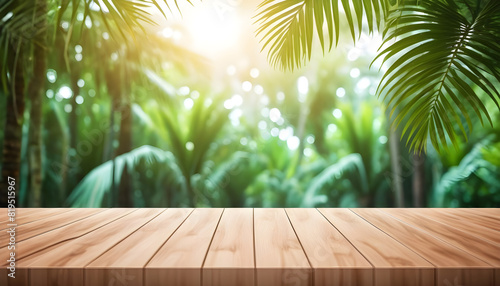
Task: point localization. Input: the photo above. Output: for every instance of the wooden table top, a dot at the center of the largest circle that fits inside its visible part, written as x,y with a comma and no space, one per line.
253,247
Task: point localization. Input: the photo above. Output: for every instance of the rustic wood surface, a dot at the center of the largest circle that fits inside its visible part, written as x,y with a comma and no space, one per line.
253,247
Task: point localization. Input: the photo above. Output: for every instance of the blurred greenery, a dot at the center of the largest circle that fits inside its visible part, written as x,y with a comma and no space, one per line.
136,112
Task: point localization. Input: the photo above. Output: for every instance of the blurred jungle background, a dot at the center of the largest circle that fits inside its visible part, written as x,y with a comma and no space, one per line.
373,103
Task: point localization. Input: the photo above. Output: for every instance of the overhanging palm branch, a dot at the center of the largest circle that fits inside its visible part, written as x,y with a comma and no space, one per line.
19,26
443,55
288,26
126,14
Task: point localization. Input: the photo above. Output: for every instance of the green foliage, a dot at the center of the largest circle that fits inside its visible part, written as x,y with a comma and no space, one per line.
92,191
352,163
441,53
289,25
476,168
19,25
127,15
190,148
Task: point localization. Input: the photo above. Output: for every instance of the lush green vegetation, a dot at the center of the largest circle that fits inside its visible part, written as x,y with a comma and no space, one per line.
359,103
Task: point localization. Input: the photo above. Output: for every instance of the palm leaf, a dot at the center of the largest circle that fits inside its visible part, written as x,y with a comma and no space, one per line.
288,26
442,55
346,165
19,25
471,164
93,188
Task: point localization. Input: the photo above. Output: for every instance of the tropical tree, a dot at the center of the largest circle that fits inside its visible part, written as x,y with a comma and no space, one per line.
439,52
23,36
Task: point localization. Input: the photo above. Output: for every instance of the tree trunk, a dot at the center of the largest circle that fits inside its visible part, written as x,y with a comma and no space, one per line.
113,83
13,129
396,170
125,145
36,89
72,177
419,194
73,119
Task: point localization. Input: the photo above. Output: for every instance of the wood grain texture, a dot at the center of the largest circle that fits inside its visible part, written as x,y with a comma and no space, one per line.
25,216
66,233
488,217
447,258
334,259
255,247
279,257
54,237
63,264
469,242
41,226
179,261
125,261
394,264
230,259
465,225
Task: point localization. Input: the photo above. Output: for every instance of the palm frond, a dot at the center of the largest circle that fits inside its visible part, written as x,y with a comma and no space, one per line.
442,58
346,165
288,26
473,163
19,25
121,17
93,188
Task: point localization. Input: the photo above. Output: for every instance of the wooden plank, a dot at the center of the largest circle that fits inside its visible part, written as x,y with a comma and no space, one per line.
126,260
53,237
68,232
466,241
485,219
48,239
38,227
230,259
25,216
180,259
489,212
394,264
63,264
279,257
4,219
466,225
333,258
452,264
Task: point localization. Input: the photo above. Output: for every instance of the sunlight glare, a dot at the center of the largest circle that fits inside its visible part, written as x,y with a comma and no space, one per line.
275,131
258,89
293,143
340,92
190,146
354,73
262,125
254,72
51,75
79,99
280,96
211,33
188,103
274,114
65,92
231,70
303,85
246,86
337,113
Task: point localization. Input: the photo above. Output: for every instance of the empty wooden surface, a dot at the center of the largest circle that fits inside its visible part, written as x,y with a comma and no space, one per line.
254,247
